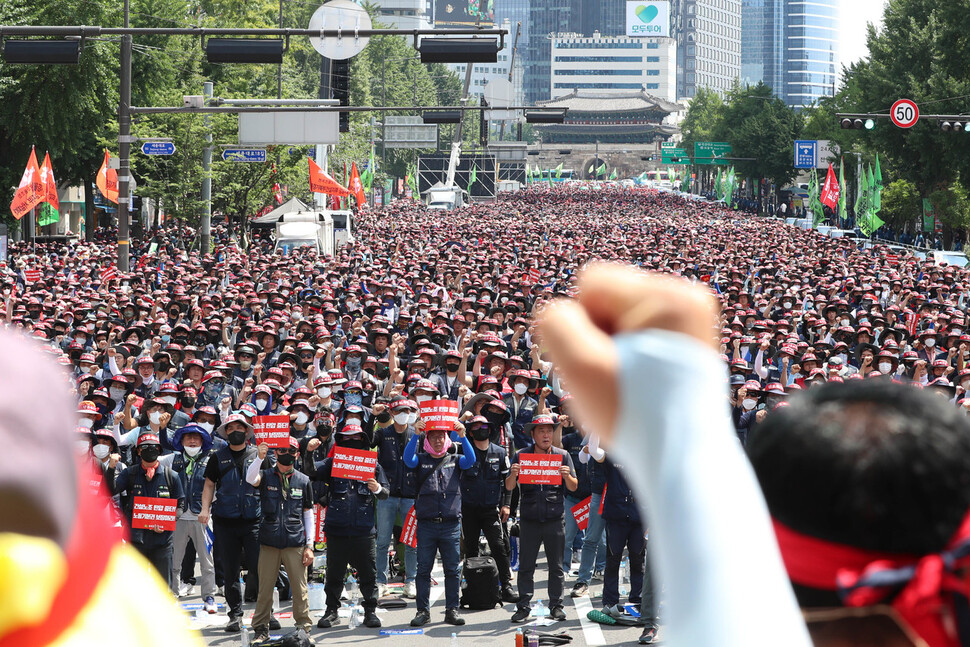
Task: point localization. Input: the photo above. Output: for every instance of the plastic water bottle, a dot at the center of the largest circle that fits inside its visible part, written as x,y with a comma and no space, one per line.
276,600
354,599
539,610
244,636
454,640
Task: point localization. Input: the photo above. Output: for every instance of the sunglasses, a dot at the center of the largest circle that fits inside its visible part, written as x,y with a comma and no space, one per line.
292,451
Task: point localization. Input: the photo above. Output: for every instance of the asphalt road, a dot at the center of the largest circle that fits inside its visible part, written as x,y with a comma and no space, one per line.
481,628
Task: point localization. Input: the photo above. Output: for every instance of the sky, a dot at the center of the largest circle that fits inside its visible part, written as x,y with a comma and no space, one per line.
855,15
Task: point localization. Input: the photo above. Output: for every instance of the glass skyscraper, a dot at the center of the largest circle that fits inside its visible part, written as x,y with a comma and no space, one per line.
791,45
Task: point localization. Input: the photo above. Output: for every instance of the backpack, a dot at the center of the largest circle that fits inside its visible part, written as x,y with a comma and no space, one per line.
480,588
298,638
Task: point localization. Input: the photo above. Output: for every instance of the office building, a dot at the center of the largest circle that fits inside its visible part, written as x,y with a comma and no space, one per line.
708,37
483,73
608,65
405,14
516,12
792,46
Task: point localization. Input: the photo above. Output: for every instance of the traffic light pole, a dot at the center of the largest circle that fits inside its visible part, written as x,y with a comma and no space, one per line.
124,150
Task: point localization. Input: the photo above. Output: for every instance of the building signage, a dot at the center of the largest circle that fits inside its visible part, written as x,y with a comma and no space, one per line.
650,18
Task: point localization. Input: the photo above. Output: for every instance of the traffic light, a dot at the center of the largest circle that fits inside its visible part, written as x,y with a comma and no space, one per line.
858,124
955,126
340,85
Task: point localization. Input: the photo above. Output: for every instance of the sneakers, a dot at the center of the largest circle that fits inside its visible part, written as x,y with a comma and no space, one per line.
185,589
329,620
421,618
614,611
579,590
557,613
452,617
649,636
209,605
381,590
371,620
262,636
598,575
509,594
235,625
521,614
274,624
410,590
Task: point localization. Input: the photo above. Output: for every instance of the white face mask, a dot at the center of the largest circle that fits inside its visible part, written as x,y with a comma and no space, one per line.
116,394
521,388
402,418
192,451
155,417
845,322
208,426
885,368
302,418
930,342
412,417
749,404
324,391
786,305
422,398
169,400
101,451
87,423
261,403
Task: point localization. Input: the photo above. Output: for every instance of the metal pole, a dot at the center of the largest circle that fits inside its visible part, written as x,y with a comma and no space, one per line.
383,103
279,70
124,148
515,48
205,227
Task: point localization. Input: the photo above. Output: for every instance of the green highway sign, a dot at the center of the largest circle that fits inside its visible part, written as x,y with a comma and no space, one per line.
711,152
672,155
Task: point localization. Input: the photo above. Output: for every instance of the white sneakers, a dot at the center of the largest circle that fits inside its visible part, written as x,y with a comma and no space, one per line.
410,591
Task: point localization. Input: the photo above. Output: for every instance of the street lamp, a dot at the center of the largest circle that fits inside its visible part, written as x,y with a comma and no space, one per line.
45,52
459,50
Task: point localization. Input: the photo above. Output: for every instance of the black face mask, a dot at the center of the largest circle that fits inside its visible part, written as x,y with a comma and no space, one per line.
188,403
324,431
452,367
285,459
149,453
494,417
353,444
481,433
237,437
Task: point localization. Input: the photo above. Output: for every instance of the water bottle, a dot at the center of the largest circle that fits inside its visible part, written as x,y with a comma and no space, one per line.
354,598
624,589
454,640
539,610
276,600
244,636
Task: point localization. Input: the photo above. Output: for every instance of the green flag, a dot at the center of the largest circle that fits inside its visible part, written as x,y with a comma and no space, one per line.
843,202
367,177
818,212
613,174
559,171
472,178
601,170
874,190
47,215
729,188
877,188
929,216
590,170
862,198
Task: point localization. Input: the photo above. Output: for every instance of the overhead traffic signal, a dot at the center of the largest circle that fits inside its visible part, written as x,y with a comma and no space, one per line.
858,124
955,126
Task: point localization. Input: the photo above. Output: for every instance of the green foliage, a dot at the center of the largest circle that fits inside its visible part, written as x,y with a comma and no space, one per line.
703,119
952,204
901,204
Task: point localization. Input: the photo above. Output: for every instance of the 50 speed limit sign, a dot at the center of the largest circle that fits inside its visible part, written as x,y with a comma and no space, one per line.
904,113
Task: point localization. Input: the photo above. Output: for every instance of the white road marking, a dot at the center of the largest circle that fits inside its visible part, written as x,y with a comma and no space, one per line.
591,630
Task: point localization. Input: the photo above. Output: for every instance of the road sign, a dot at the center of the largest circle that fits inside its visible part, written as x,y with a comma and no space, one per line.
244,155
904,113
671,155
158,148
806,153
711,152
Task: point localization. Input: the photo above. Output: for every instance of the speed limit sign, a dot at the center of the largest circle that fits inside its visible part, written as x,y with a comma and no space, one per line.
904,113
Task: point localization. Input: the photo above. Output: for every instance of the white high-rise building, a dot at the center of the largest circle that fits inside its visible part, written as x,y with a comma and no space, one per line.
708,34
405,14
613,64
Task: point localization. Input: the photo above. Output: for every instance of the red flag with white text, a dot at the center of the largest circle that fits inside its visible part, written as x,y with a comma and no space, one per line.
830,190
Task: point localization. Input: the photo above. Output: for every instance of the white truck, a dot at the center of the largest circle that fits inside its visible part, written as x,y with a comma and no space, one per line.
305,229
445,198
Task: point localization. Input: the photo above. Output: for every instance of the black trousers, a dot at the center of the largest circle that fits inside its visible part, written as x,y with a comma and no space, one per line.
552,536
620,535
238,540
160,556
476,520
361,554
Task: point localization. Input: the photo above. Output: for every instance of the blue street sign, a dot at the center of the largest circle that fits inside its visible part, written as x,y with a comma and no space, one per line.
158,148
244,155
806,153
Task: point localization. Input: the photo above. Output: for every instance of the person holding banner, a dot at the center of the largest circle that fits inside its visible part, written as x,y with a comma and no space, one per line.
286,534
146,482
438,510
543,473
352,481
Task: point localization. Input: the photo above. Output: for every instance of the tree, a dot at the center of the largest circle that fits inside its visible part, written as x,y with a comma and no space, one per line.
703,119
900,204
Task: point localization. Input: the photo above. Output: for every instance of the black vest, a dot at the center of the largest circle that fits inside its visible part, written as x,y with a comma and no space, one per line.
390,456
483,482
542,502
439,498
160,487
191,485
235,498
282,509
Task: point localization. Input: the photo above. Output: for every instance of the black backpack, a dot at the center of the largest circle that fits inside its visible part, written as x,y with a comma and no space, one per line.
480,588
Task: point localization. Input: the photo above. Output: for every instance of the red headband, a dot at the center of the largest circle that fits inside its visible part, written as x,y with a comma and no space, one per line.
864,578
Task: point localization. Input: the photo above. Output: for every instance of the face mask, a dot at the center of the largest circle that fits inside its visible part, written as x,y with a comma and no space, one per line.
422,398
324,391
237,437
244,364
169,400
208,426
302,418
155,417
149,453
521,388
166,338
353,399
749,404
930,343
452,367
192,451
87,423
188,403
412,417
101,451
353,364
324,431
116,394
480,433
262,403
885,368
285,459
402,418
786,305
844,357
845,322
494,417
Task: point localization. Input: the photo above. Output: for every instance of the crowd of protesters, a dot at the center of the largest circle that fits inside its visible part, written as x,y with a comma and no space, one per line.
173,361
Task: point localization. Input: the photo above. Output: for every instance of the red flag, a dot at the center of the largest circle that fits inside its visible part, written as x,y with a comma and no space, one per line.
28,194
108,180
50,184
356,186
109,273
320,182
830,190
277,194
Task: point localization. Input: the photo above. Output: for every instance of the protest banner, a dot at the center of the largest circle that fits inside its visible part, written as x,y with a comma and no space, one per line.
151,512
540,469
353,464
439,415
581,513
272,430
321,515
409,533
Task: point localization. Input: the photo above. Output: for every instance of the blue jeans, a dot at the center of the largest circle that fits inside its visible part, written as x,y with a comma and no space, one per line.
387,511
572,532
594,545
434,538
